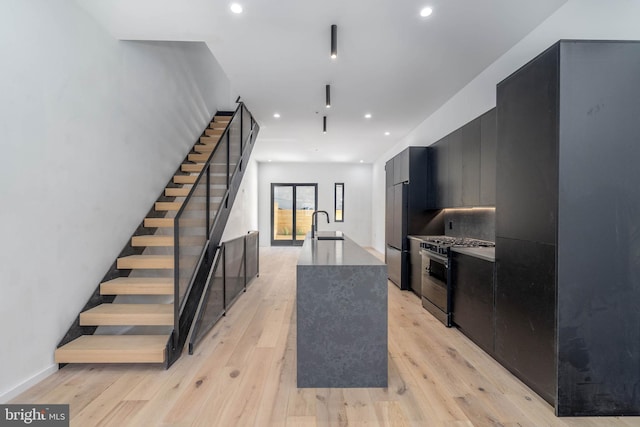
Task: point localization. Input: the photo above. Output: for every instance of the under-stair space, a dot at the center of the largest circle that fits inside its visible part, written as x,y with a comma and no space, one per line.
133,315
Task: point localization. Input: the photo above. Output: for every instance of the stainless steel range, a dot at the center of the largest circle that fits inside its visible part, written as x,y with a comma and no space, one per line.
436,275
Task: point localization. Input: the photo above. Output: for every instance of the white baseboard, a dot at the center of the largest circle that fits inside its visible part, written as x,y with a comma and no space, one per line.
6,396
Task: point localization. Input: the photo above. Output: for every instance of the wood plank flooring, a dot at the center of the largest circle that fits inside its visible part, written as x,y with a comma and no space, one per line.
244,374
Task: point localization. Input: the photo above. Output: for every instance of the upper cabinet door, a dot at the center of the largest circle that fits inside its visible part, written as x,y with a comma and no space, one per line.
389,173
488,140
401,167
440,173
456,150
527,179
471,164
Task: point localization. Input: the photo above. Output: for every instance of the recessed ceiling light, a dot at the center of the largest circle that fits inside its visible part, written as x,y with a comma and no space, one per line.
387,133
235,8
361,161
269,160
367,116
276,115
426,12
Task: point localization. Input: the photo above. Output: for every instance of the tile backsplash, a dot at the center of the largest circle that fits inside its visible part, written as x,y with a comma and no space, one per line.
476,223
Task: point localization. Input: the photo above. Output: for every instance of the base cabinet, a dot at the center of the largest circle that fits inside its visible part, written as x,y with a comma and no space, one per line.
472,279
525,305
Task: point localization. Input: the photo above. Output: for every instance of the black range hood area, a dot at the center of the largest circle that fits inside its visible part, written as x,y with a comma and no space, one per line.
558,158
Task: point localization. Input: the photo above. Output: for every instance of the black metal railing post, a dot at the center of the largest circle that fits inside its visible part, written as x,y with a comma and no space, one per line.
208,199
176,281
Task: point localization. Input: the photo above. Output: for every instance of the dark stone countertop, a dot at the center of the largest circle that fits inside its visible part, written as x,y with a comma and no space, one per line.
334,252
488,254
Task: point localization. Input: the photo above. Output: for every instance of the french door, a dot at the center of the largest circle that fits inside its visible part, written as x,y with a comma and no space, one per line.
291,209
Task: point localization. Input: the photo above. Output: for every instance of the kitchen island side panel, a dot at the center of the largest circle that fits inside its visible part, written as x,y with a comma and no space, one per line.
599,229
341,316
342,326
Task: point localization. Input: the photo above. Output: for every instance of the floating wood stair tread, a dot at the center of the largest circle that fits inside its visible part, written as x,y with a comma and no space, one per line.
167,206
145,262
213,132
152,240
222,119
209,140
184,191
128,314
191,167
198,157
174,206
204,148
158,222
185,179
218,125
138,286
177,192
114,349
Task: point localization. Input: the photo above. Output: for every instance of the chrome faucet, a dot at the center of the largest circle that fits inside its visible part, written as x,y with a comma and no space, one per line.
314,222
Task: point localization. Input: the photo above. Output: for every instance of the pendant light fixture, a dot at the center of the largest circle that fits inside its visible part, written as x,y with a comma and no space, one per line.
334,41
324,124
328,96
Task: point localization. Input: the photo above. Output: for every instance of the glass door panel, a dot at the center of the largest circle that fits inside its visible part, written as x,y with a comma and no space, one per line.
292,206
282,202
305,205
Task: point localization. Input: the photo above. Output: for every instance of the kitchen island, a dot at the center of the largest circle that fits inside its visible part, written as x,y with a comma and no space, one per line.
341,300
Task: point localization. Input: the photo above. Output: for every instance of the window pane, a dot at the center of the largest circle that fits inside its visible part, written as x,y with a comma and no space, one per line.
339,202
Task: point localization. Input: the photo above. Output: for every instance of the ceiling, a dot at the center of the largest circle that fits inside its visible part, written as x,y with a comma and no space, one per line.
391,63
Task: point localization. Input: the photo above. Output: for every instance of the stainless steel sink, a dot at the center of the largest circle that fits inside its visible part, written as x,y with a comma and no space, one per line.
330,235
330,238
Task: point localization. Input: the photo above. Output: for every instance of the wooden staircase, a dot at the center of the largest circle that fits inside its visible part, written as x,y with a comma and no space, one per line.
135,348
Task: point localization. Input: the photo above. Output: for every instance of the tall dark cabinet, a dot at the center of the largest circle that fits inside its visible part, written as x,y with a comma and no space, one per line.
567,303
406,209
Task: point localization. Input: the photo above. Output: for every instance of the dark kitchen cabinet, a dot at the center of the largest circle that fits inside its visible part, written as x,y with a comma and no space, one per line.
567,241
439,169
389,221
463,165
454,182
389,173
400,217
396,216
407,207
472,280
401,167
471,164
528,151
488,142
525,312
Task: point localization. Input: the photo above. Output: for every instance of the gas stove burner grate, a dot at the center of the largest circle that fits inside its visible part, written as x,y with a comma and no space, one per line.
441,244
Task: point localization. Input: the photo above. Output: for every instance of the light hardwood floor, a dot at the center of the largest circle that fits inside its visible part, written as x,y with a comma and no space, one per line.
244,374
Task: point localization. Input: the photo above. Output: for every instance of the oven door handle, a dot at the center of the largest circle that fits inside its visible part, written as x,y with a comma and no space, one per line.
436,257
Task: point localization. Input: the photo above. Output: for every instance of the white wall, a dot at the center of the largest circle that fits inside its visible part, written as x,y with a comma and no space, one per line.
91,129
577,19
357,197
